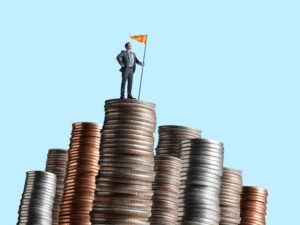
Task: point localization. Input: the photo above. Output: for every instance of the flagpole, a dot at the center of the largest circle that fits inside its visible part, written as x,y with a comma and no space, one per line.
142,69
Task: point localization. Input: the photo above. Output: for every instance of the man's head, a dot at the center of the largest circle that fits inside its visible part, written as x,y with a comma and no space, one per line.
128,46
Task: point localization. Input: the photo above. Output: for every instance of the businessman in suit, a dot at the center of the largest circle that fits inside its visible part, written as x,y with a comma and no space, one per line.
127,59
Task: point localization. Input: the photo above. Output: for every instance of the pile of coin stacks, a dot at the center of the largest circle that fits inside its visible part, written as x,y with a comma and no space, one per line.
37,199
166,190
230,197
254,206
57,160
202,169
124,183
170,137
82,169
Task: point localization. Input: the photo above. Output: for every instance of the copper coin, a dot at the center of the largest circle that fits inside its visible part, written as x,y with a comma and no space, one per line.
82,168
253,205
57,163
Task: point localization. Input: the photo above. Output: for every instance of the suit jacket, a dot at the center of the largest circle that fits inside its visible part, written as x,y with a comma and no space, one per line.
123,59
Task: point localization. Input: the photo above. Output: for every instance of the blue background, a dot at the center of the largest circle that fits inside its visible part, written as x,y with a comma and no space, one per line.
229,68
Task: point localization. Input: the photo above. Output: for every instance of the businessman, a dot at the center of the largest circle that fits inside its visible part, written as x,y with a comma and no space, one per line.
127,59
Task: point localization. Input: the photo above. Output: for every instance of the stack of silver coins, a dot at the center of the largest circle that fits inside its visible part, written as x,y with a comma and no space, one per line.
37,199
124,183
202,169
57,161
166,190
230,197
170,137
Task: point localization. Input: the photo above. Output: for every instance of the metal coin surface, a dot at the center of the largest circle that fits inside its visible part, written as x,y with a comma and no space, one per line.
82,168
36,205
124,192
201,180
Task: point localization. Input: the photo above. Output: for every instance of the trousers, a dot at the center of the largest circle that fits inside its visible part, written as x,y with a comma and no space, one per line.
127,75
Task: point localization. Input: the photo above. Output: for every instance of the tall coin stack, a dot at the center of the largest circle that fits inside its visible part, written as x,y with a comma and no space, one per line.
230,197
124,182
82,169
37,199
166,190
202,169
57,160
254,206
170,137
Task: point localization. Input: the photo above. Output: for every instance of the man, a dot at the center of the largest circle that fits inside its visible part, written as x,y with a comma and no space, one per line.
127,59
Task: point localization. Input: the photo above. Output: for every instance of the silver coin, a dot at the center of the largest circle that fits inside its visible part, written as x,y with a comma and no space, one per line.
200,221
37,199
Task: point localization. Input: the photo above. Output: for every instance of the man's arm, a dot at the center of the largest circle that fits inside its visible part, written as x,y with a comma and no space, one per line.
138,61
119,58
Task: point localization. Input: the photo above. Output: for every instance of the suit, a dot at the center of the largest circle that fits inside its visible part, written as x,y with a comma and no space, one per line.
127,70
123,59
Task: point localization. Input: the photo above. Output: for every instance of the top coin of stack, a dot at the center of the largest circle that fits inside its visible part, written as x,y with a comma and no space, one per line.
170,137
124,182
57,160
253,206
230,197
37,199
82,169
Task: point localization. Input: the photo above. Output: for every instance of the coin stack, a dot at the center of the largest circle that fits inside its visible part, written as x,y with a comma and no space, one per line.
82,169
202,166
57,160
170,137
124,182
254,205
37,199
230,197
166,190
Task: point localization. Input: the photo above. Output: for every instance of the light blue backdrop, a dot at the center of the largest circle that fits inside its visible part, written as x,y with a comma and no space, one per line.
229,68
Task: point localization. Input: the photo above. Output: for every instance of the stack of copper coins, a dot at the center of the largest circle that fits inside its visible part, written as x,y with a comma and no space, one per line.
166,190
170,137
37,199
201,174
124,183
82,169
230,197
57,160
254,206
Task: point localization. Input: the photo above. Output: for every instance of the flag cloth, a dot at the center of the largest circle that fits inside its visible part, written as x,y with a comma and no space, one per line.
141,38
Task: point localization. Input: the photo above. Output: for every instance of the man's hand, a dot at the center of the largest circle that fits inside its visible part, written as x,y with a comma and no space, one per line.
143,63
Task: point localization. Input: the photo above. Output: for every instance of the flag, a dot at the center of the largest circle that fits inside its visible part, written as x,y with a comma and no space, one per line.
141,38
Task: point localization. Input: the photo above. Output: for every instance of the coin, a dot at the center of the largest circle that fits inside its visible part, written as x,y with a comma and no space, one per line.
166,190
230,196
124,192
82,168
170,137
253,205
56,163
201,178
37,200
